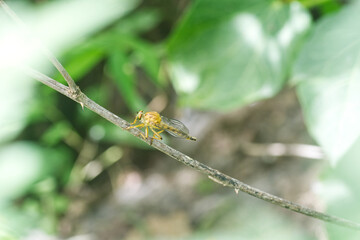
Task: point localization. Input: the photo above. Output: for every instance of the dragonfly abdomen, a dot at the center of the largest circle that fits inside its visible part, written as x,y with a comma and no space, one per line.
175,132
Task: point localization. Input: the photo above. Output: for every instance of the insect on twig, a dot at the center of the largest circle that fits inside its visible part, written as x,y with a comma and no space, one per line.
159,124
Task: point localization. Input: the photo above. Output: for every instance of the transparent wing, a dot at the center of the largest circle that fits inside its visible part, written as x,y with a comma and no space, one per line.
181,130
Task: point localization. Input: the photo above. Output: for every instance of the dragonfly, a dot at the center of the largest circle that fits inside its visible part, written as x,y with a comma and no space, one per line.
158,124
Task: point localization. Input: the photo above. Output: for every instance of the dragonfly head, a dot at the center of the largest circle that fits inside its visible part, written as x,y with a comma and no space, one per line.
140,115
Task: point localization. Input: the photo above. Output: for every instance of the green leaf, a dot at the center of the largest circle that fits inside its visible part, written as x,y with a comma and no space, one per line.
225,54
24,163
144,55
57,25
16,92
81,59
322,6
57,132
122,71
340,190
141,21
63,23
328,76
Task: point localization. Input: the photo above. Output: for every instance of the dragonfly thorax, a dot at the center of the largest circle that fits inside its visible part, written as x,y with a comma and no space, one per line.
151,118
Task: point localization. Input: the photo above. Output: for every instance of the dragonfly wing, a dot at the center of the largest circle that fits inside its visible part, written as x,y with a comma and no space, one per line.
174,134
175,124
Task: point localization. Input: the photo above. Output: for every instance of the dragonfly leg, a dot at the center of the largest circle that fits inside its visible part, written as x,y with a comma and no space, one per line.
156,134
136,126
136,118
146,132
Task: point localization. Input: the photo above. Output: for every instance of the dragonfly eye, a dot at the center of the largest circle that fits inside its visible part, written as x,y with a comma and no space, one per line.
139,114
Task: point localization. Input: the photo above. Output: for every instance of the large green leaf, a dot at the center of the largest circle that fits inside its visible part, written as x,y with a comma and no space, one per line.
122,71
228,53
58,25
15,90
328,69
15,94
63,22
339,188
81,59
24,163
142,54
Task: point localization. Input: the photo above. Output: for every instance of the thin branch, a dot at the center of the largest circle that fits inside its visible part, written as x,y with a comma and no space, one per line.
213,174
282,149
44,50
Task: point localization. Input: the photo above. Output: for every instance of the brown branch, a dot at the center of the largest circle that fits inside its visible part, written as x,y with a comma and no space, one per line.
281,150
213,174
74,93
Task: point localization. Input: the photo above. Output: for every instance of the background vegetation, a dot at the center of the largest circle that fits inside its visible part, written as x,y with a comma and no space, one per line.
233,71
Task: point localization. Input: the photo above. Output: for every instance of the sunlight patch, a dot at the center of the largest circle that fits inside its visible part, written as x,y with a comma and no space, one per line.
185,81
297,23
250,29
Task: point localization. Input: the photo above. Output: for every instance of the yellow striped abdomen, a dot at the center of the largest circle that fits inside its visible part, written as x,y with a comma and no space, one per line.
175,131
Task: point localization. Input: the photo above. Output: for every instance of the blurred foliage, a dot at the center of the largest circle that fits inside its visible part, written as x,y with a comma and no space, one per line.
234,52
220,55
327,79
13,114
